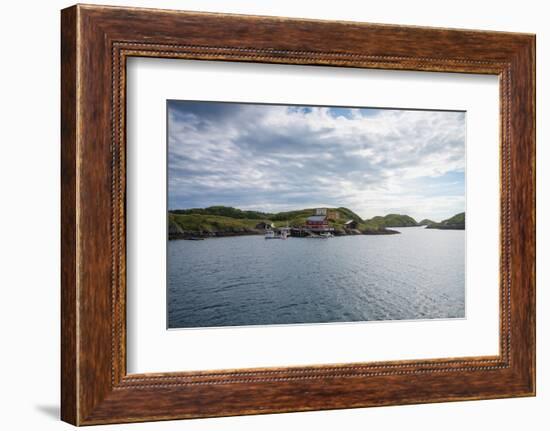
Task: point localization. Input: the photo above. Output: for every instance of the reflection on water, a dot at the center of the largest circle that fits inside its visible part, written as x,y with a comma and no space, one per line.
247,280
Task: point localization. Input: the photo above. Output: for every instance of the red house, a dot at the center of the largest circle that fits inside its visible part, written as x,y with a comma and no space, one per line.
317,222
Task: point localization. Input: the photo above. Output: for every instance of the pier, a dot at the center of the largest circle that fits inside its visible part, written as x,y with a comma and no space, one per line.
304,232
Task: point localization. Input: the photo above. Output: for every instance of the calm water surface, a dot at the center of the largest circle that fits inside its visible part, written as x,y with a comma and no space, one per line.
248,280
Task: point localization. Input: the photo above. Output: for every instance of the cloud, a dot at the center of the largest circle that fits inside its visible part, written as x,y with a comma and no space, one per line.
272,157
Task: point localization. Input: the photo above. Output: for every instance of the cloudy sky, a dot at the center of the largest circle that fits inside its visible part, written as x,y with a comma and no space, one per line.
277,158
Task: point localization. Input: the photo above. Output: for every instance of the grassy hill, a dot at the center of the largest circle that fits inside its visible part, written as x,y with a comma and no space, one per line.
395,220
227,221
199,222
349,214
224,221
425,222
458,222
224,211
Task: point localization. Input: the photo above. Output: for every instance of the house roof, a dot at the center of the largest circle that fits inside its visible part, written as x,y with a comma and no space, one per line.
317,218
350,222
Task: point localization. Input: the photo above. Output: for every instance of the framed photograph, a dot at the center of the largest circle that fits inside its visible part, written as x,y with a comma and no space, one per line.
265,215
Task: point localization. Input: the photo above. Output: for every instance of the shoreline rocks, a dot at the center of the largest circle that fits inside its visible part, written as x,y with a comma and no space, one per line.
207,234
174,234
446,227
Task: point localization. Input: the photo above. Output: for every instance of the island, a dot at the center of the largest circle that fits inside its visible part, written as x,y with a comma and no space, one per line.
426,222
395,220
456,222
224,221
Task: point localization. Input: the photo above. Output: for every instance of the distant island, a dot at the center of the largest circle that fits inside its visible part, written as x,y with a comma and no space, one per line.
222,221
395,220
456,222
426,222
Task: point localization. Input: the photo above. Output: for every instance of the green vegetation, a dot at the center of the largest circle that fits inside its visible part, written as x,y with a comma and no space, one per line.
220,210
337,217
349,214
395,220
199,224
224,221
457,221
425,222
291,218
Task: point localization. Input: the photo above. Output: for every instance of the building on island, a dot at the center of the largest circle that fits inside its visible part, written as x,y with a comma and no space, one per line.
332,215
317,222
314,226
350,224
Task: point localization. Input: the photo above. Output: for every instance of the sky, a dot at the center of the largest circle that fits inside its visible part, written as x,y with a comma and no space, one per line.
278,158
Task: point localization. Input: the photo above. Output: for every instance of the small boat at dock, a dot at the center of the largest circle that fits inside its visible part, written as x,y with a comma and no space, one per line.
270,234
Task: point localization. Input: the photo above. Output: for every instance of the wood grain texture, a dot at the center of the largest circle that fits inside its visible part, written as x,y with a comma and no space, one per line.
69,366
96,41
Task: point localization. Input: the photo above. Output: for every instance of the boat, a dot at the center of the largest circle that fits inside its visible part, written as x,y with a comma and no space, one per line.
270,234
326,235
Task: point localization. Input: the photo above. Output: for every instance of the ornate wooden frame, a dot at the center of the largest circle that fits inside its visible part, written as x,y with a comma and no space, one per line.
95,42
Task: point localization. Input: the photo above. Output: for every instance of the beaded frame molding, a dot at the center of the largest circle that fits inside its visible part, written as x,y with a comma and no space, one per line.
95,43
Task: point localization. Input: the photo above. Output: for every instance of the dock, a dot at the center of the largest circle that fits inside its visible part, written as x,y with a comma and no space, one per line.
304,232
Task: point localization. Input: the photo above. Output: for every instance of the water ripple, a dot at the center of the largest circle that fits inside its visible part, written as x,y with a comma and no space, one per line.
249,281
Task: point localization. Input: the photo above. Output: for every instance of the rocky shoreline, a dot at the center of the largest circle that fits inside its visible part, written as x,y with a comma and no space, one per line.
190,235
222,221
446,227
194,235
